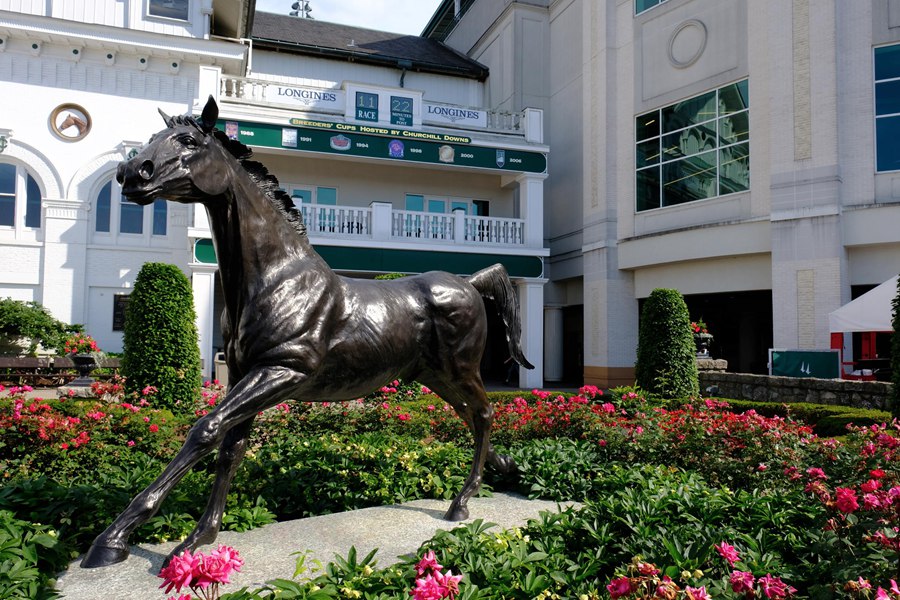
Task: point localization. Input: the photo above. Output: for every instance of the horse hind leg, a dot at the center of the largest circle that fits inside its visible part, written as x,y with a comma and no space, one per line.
469,400
231,453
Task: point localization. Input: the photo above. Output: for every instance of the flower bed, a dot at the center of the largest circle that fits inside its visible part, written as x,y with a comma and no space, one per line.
687,501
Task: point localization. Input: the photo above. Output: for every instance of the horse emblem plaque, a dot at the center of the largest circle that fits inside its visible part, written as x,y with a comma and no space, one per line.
294,329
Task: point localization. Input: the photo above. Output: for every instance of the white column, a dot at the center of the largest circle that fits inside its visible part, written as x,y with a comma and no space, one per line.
203,282
531,205
459,226
381,220
65,254
553,343
531,307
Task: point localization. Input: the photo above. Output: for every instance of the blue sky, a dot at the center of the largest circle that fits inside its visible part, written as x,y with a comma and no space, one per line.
397,16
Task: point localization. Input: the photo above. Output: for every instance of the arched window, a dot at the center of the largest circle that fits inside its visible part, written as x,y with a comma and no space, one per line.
20,198
115,215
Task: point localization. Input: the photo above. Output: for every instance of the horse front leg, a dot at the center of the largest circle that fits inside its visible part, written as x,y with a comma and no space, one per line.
231,453
260,389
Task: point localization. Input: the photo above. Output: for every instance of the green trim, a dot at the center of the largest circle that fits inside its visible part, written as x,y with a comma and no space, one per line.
395,145
383,260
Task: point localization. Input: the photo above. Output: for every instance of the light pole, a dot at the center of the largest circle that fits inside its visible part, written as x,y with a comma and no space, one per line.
301,9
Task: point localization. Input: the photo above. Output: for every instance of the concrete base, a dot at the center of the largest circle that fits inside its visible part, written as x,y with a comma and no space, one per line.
395,530
75,391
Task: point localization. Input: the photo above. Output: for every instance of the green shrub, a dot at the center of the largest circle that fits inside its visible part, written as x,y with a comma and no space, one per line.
666,355
34,323
28,553
826,420
161,348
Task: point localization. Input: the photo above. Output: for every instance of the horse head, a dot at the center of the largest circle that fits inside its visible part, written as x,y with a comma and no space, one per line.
184,162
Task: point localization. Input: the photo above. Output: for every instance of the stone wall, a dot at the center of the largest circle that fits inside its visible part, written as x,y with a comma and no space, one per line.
766,388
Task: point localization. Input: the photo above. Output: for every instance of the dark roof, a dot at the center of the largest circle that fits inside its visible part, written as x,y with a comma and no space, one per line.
320,38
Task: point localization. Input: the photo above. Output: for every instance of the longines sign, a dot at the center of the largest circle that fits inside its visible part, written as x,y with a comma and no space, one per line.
306,97
454,115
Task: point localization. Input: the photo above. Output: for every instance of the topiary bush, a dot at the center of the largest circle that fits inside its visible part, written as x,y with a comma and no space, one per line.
895,354
666,356
34,324
160,344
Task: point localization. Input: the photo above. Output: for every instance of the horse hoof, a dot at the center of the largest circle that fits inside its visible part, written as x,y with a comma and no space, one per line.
103,556
457,513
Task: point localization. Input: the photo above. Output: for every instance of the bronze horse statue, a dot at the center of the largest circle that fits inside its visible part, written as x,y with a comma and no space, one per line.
294,329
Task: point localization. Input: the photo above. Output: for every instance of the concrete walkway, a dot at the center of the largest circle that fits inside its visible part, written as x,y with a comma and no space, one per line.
395,530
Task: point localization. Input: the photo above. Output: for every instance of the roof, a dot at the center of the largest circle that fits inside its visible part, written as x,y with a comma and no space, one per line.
344,42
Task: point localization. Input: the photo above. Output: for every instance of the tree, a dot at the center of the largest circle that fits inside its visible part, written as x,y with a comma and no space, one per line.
160,345
666,356
33,324
895,354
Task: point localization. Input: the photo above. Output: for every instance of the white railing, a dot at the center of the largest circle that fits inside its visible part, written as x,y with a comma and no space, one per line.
337,221
248,90
492,230
423,226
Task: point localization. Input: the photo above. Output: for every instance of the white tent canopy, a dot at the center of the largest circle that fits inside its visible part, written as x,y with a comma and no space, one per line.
870,312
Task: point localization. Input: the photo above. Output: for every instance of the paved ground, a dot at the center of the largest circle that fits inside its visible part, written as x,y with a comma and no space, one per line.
395,530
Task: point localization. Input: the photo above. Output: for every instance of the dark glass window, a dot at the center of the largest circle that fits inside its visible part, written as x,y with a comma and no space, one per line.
7,195
32,203
695,149
103,209
172,9
131,217
160,215
887,108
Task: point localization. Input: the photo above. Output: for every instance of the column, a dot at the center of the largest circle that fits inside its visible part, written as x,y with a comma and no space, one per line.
531,310
65,254
531,205
203,282
553,343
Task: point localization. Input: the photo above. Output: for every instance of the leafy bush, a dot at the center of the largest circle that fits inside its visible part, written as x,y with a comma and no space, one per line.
825,419
160,342
29,553
34,323
666,355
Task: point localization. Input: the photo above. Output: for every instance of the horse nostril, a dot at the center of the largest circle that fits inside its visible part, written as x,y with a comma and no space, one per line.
146,170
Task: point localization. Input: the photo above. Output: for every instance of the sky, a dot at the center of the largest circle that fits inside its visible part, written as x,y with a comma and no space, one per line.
396,16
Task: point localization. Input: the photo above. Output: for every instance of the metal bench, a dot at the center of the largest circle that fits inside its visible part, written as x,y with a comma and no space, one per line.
47,371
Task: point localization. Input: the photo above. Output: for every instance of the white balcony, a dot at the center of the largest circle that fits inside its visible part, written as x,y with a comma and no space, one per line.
380,223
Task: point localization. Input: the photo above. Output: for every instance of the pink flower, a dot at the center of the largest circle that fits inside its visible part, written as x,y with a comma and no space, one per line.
742,582
154,428
428,588
179,572
774,587
428,563
181,597
449,582
697,593
130,443
816,473
619,587
876,473
728,552
846,500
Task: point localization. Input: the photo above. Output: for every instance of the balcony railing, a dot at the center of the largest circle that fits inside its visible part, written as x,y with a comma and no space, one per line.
422,225
253,91
337,221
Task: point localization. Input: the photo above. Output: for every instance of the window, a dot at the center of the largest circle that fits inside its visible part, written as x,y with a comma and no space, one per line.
312,195
887,108
698,148
171,9
128,217
642,5
19,195
446,205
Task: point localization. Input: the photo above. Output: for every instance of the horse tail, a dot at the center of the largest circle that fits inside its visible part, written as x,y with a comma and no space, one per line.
493,284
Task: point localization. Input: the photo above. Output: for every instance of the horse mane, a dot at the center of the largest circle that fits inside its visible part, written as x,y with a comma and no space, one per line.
267,183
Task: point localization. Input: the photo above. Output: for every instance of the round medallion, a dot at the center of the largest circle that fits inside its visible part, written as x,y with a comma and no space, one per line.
70,122
687,43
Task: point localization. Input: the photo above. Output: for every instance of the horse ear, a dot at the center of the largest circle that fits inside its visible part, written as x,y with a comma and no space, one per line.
170,122
209,115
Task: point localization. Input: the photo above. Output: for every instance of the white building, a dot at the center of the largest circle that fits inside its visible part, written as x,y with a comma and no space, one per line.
387,143
746,153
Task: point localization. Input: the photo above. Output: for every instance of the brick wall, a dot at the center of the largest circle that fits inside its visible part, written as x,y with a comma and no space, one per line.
765,388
